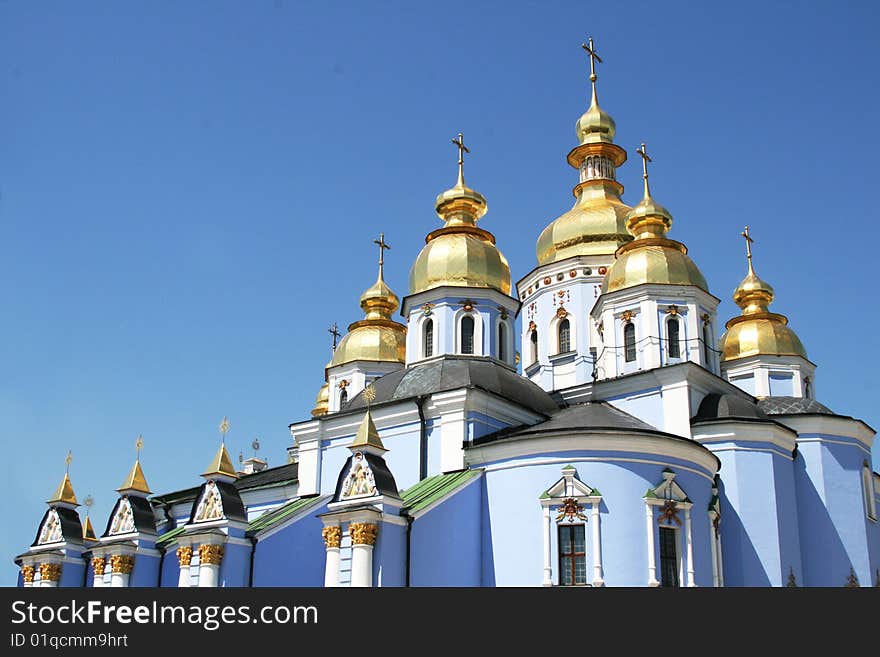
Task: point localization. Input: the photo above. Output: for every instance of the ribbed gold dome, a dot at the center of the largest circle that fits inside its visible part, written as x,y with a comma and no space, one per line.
757,331
652,258
322,401
595,125
376,337
460,254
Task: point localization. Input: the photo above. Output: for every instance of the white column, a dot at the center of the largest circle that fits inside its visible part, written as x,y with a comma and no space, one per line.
690,547
652,568
597,549
720,562
332,536
121,566
119,580
548,568
50,574
210,557
713,546
184,559
363,537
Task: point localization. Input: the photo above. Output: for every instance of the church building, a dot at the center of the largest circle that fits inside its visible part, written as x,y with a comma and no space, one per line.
624,435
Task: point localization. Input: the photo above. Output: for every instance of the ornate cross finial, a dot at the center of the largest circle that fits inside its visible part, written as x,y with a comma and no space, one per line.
139,445
255,444
382,246
89,501
224,428
594,57
749,241
462,149
643,153
334,331
67,460
369,394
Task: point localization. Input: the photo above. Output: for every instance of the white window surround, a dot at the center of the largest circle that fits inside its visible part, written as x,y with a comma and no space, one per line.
422,326
682,342
478,331
508,339
570,487
553,334
657,498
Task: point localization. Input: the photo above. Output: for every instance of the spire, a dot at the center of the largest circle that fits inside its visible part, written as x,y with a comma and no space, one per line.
752,295
594,57
462,149
595,125
460,205
88,529
648,219
64,493
367,436
221,464
378,301
135,482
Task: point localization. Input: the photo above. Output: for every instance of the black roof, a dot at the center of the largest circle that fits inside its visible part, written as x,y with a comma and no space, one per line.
233,507
385,484
279,474
453,372
141,511
71,525
792,406
717,406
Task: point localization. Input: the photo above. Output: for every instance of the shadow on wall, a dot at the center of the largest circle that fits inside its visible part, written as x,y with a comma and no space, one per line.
488,554
740,561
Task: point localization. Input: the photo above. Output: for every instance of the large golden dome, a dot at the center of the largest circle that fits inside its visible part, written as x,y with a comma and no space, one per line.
460,254
757,331
596,225
376,337
652,258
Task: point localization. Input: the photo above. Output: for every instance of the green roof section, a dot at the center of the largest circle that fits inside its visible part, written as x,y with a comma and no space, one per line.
166,538
283,512
428,491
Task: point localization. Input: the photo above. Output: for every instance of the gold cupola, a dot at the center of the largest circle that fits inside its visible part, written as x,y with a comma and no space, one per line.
757,331
322,401
596,223
651,258
377,337
460,254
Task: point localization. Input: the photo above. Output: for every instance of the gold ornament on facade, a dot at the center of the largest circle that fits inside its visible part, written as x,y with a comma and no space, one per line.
99,564
668,513
363,533
50,572
561,312
468,305
672,310
426,309
27,573
532,326
627,315
503,311
571,510
122,563
184,555
343,384
332,536
210,554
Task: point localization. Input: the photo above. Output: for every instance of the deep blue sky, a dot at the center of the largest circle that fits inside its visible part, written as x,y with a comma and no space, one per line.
188,194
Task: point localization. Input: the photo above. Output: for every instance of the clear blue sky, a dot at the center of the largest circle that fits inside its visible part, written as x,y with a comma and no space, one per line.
188,194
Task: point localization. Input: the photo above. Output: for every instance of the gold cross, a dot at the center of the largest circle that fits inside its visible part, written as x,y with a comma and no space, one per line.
334,331
643,152
67,460
382,247
224,428
749,242
462,149
594,57
139,445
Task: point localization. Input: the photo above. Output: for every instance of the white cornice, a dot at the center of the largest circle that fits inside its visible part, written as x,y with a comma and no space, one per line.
830,425
754,432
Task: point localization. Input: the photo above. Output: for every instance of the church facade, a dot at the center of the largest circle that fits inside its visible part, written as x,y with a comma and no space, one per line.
615,440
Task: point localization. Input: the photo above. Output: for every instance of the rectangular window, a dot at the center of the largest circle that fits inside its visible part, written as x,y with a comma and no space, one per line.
668,557
572,556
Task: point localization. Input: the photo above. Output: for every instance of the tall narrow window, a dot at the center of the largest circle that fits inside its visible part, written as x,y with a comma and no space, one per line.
467,335
808,390
629,342
564,336
502,342
868,489
343,397
668,557
534,347
572,555
707,348
673,348
428,344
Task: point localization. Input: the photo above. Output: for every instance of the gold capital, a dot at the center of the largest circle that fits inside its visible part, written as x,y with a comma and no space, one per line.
211,554
27,573
363,533
184,555
122,563
98,564
50,572
332,536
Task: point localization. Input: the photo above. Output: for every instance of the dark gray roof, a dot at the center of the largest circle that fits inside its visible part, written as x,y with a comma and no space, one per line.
716,406
71,525
792,406
590,416
453,372
282,473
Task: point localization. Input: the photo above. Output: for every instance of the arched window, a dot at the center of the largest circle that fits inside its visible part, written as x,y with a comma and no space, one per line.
629,342
534,347
502,342
428,338
564,336
707,348
467,335
808,388
343,397
673,347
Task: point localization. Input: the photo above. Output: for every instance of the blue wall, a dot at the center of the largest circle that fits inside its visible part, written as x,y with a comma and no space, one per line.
235,567
389,556
293,556
145,571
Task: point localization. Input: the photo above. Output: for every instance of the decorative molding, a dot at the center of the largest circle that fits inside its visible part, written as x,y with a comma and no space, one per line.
210,554
184,555
98,566
532,326
363,533
468,305
50,572
561,312
672,309
122,563
426,309
27,573
332,536
571,509
627,315
343,384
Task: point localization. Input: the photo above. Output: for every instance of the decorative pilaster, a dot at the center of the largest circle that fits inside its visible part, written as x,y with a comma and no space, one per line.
210,557
98,566
184,558
121,566
652,567
689,546
332,536
50,574
548,567
363,538
597,548
27,575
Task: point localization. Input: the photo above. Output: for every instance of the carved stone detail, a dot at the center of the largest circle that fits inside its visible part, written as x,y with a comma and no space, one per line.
332,536
184,555
211,554
363,533
27,573
122,563
50,572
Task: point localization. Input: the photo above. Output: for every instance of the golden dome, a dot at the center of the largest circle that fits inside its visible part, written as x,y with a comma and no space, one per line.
651,258
596,225
460,254
376,337
322,401
757,331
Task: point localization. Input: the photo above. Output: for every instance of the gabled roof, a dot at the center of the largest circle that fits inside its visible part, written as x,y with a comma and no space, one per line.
277,476
428,491
141,513
71,525
278,515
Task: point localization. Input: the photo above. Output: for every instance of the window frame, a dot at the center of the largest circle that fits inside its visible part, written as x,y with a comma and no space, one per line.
575,556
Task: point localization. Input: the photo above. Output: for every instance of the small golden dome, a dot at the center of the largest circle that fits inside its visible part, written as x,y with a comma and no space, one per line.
595,125
322,401
460,254
757,331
